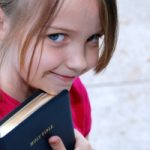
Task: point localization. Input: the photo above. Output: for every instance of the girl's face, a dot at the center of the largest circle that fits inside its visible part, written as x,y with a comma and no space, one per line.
70,47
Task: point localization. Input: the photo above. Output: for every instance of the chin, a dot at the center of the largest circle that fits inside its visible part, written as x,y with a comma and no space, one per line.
55,91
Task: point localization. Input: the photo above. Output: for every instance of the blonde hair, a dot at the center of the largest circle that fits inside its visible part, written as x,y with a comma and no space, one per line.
22,12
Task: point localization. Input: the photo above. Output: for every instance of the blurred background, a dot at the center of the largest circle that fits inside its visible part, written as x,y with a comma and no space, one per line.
120,95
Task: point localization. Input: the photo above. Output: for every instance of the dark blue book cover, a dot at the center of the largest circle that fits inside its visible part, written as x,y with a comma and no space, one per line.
29,127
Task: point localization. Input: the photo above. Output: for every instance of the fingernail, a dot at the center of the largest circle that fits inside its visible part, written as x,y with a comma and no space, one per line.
54,140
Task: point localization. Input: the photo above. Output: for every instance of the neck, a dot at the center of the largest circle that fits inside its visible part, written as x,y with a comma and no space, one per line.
13,84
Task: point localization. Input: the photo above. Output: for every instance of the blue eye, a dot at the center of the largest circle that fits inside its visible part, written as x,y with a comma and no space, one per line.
58,37
94,38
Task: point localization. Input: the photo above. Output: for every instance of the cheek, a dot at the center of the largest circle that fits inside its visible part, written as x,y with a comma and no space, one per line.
51,57
92,59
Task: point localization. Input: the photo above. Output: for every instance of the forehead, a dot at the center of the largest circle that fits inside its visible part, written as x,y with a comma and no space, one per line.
79,14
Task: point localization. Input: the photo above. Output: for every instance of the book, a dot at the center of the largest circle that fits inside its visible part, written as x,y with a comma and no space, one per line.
39,117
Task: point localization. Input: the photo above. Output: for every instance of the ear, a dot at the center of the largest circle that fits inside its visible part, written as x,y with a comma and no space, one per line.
3,24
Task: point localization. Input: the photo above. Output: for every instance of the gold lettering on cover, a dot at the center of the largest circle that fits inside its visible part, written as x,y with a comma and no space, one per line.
42,134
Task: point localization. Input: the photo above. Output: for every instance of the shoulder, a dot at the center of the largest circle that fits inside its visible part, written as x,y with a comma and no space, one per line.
81,108
78,90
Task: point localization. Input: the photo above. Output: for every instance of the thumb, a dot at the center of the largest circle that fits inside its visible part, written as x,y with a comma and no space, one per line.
56,143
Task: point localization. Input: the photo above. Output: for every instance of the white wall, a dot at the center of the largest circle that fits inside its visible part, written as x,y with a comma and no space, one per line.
120,96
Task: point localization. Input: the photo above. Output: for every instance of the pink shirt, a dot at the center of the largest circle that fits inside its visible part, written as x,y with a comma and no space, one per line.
80,106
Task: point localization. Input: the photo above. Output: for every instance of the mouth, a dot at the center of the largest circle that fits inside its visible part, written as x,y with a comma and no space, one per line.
64,77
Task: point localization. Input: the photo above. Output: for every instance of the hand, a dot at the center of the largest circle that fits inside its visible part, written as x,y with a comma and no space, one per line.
81,142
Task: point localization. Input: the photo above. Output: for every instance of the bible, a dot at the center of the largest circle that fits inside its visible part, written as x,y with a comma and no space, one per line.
39,117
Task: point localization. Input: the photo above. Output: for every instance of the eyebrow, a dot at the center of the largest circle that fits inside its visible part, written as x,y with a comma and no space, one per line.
71,30
61,28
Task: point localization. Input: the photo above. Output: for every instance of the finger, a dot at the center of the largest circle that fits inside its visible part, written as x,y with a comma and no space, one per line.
56,143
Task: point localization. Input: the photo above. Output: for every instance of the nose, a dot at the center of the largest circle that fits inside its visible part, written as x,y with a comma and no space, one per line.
77,61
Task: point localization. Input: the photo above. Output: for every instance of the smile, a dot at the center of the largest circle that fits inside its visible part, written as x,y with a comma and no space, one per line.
63,77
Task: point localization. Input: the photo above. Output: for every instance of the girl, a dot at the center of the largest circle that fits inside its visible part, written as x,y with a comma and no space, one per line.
48,44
